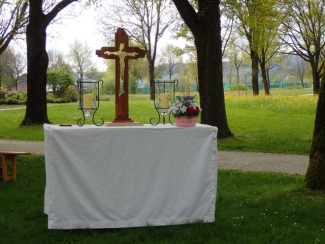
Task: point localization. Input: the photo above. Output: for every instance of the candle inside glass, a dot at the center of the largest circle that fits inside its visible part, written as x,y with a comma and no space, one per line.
164,101
87,100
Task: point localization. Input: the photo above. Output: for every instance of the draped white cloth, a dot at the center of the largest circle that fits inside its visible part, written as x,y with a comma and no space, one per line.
114,177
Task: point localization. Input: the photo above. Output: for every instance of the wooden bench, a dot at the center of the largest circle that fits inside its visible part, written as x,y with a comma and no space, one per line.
13,156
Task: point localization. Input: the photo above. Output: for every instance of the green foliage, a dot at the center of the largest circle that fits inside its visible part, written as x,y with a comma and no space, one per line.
72,95
12,101
239,87
13,97
82,65
250,208
108,86
181,86
2,94
296,87
60,81
132,85
20,96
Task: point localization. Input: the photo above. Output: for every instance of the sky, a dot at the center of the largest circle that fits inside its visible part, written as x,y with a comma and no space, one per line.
84,29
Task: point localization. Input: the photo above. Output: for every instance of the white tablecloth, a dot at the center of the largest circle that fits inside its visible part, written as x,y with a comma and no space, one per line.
112,177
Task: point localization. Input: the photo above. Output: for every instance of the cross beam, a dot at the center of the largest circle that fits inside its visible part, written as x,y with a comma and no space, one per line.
122,53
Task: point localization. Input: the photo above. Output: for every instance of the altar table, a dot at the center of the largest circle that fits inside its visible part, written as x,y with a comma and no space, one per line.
116,177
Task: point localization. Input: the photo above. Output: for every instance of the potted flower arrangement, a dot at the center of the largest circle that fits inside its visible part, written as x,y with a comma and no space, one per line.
185,110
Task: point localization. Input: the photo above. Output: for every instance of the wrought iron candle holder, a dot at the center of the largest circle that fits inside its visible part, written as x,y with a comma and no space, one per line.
164,96
88,100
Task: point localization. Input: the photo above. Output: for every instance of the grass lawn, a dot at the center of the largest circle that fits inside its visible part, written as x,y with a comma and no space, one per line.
256,122
250,208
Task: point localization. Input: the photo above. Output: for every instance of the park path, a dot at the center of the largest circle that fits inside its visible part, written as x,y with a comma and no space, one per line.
245,161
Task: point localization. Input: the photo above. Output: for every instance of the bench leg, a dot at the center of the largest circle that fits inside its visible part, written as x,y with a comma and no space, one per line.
4,169
13,167
5,176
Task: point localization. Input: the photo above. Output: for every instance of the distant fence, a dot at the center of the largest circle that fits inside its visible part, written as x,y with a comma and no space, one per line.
143,90
146,90
272,85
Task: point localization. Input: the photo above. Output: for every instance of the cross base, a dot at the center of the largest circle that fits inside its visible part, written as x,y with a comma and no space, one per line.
123,122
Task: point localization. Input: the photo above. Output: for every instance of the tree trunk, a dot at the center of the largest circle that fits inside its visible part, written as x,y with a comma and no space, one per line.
315,176
268,77
302,83
210,79
152,79
315,79
265,83
254,58
37,62
205,26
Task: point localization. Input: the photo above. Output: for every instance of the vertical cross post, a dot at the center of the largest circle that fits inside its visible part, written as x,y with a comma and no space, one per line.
122,53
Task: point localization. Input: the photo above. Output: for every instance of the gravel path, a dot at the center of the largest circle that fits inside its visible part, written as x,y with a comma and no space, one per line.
245,161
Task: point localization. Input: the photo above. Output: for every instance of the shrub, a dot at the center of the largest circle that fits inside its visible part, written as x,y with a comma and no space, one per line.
52,99
105,98
2,94
109,86
295,87
71,95
62,100
60,81
12,101
238,87
21,97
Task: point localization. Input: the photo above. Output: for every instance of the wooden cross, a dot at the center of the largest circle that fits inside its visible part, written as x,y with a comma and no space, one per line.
122,53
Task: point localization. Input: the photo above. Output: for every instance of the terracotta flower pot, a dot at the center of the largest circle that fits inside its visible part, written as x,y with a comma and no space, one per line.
184,121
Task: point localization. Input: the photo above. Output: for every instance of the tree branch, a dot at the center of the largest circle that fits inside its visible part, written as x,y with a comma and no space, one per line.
53,13
188,14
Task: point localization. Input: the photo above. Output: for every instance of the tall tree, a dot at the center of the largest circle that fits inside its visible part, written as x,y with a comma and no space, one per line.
304,34
315,176
5,68
234,54
80,56
298,68
139,69
270,21
205,27
228,72
17,67
13,21
171,59
37,59
181,30
58,61
145,20
246,12
12,65
259,21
